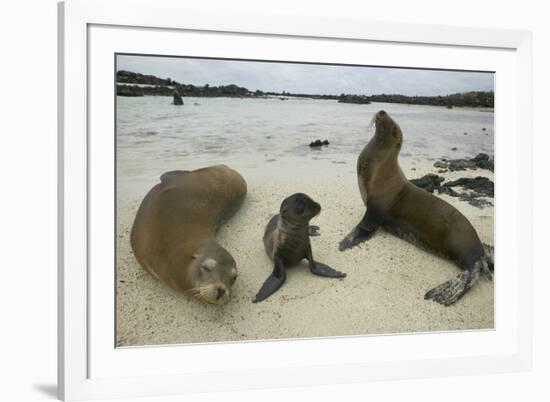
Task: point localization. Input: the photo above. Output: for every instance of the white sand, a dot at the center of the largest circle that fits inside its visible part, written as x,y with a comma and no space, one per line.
382,294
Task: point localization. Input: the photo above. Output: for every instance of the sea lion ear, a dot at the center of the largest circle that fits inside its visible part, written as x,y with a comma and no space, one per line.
195,256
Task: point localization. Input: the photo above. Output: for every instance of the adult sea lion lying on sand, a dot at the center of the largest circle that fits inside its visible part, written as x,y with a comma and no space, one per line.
173,233
414,214
286,241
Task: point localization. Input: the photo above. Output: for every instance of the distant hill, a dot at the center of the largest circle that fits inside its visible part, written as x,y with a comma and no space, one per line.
135,84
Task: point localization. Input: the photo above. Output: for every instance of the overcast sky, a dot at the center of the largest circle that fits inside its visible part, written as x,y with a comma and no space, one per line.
308,78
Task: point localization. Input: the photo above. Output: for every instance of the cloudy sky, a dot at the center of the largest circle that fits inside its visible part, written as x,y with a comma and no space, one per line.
308,78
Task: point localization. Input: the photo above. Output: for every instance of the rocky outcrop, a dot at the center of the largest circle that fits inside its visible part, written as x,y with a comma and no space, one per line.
482,161
177,98
430,182
478,188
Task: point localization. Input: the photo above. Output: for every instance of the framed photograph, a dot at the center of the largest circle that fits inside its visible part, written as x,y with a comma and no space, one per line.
268,201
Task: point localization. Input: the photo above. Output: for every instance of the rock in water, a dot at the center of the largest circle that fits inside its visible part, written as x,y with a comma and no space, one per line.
318,143
177,98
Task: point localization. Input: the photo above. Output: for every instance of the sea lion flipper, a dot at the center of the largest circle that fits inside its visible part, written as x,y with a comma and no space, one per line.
314,230
320,269
451,291
362,232
272,283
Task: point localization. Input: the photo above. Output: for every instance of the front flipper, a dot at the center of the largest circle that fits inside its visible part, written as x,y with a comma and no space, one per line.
314,230
451,291
362,232
321,269
273,283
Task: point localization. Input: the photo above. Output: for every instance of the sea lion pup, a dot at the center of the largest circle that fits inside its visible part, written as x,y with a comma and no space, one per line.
173,233
286,241
414,214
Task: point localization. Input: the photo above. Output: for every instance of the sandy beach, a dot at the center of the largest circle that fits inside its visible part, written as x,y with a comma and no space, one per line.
382,293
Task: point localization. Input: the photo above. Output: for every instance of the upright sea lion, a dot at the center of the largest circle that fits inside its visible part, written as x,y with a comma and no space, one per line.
414,214
286,241
173,233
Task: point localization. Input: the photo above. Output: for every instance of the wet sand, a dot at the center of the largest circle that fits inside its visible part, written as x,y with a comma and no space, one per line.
382,293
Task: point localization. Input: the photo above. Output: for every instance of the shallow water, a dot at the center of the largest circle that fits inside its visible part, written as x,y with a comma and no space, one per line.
267,141
154,135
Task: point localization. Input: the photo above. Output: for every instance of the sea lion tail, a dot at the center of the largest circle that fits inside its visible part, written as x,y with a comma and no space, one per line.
165,177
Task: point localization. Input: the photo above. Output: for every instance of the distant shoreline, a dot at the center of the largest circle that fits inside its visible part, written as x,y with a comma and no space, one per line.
298,97
136,85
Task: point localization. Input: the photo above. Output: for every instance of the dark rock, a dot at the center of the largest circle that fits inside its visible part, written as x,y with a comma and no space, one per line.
429,182
453,149
318,143
177,98
482,161
479,187
477,202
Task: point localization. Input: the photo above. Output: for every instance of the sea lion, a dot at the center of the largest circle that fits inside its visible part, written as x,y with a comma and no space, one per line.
286,241
173,232
414,214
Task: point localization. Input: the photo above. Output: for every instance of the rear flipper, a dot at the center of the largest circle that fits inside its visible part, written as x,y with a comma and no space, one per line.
314,230
451,291
489,258
273,283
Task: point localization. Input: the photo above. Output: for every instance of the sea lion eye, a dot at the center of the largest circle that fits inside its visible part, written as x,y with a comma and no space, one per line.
204,268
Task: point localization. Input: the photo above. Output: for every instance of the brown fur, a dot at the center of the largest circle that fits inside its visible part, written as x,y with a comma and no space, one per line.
412,213
177,221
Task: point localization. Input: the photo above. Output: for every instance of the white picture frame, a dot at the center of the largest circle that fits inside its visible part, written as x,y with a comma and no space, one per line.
90,368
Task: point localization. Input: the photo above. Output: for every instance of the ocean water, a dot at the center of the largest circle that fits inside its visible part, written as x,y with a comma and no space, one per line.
154,136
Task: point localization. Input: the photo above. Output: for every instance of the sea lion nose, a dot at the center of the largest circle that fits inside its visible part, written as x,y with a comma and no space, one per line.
221,292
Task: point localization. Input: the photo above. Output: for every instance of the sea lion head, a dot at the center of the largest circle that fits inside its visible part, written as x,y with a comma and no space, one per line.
299,208
212,273
388,133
